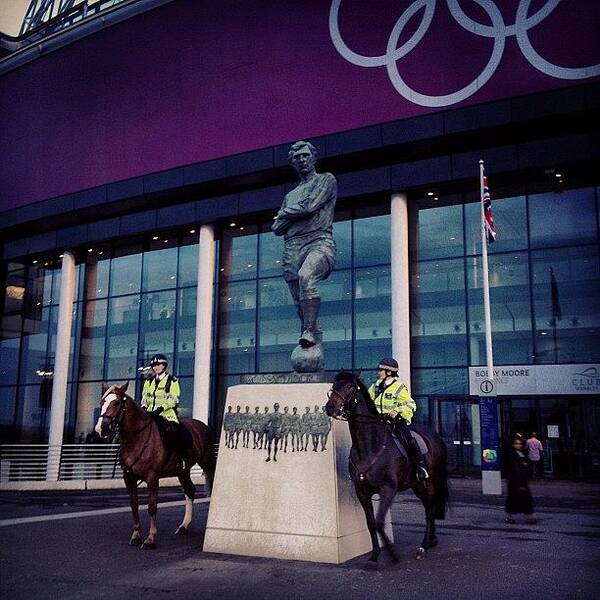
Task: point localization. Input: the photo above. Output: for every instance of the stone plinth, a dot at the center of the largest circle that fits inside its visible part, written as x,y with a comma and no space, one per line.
302,506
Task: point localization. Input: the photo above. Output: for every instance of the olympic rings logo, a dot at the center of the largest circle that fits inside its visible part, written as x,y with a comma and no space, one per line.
498,31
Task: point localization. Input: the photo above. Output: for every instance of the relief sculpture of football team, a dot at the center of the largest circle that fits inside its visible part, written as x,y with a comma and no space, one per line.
275,430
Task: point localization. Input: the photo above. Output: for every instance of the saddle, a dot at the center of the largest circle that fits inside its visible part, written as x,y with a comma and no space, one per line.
419,439
174,437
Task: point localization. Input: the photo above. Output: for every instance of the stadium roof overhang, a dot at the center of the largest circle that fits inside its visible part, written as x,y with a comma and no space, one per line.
49,25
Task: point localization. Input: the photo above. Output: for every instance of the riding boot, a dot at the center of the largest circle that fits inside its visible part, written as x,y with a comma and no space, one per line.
310,312
412,448
422,473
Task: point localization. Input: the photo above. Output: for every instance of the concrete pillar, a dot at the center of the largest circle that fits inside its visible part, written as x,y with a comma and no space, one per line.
400,285
204,307
61,365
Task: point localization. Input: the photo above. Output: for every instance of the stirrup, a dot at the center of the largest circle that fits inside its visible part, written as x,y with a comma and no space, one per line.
422,473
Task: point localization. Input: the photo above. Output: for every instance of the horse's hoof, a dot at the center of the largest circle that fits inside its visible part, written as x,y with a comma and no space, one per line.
148,546
135,542
181,530
371,565
421,553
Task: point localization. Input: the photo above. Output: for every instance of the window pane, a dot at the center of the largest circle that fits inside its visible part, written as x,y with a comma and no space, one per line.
372,241
188,265
125,274
186,332
567,314
239,255
14,291
558,219
342,234
510,309
7,406
56,279
34,346
438,323
9,358
158,325
33,411
439,382
122,333
510,221
336,320
237,327
52,331
96,277
43,281
440,232
91,359
279,326
160,269
270,248
186,400
373,316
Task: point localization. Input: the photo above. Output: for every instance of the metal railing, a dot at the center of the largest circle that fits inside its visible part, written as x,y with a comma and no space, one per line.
31,462
72,462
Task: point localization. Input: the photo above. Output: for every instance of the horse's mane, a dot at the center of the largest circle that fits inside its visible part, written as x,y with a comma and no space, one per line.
364,390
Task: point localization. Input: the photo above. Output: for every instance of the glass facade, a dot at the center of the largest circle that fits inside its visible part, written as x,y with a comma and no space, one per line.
544,284
133,300
138,298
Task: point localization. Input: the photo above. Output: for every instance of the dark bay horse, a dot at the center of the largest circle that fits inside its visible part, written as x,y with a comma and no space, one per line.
144,457
378,467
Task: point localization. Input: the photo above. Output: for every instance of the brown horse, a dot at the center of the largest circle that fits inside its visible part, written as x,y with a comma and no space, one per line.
378,467
144,457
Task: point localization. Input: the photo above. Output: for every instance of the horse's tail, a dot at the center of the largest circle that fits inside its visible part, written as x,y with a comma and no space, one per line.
442,492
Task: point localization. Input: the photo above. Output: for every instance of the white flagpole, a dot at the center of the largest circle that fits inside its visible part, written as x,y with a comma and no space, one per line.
491,482
486,283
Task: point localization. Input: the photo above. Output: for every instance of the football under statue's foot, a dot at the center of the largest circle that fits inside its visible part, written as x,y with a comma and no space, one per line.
307,339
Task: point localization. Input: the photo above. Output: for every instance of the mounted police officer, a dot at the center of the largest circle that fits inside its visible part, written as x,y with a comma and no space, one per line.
160,396
392,399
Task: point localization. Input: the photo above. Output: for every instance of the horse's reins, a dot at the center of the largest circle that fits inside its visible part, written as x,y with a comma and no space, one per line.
346,415
117,419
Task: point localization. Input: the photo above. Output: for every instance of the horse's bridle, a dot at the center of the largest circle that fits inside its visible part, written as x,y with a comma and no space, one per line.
347,403
116,418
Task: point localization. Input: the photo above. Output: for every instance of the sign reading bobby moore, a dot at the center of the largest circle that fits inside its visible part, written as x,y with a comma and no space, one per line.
532,380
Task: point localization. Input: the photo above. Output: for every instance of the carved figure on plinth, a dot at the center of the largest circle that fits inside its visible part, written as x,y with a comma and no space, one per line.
305,221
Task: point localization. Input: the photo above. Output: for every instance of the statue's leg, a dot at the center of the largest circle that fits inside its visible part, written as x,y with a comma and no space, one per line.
316,267
291,264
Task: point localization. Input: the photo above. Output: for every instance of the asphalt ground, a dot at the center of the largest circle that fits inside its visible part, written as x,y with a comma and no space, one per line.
87,555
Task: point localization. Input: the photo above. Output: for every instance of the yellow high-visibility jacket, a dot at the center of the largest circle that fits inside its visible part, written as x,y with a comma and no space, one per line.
395,398
164,393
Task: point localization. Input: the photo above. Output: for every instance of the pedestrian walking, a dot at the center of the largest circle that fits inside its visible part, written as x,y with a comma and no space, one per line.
518,500
535,455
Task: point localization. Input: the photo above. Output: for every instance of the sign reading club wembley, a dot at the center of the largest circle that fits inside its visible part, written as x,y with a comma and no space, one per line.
195,80
535,380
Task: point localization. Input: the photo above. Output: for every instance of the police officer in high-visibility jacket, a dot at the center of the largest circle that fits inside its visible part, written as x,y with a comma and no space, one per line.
160,396
392,398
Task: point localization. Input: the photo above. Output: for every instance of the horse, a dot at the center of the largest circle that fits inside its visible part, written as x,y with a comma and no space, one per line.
144,457
378,467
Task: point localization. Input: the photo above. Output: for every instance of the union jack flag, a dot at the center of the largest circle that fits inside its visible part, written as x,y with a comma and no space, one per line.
487,212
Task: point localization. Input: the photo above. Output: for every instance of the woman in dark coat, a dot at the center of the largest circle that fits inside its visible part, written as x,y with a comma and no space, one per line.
519,497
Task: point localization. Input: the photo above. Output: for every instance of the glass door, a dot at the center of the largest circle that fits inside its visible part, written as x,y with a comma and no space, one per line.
458,425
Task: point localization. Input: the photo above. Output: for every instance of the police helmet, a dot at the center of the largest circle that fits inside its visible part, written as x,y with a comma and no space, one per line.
389,364
159,359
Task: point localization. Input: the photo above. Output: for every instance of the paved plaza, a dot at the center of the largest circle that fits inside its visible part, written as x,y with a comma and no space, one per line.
86,554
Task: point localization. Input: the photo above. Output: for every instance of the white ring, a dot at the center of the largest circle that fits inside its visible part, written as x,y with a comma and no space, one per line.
498,31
